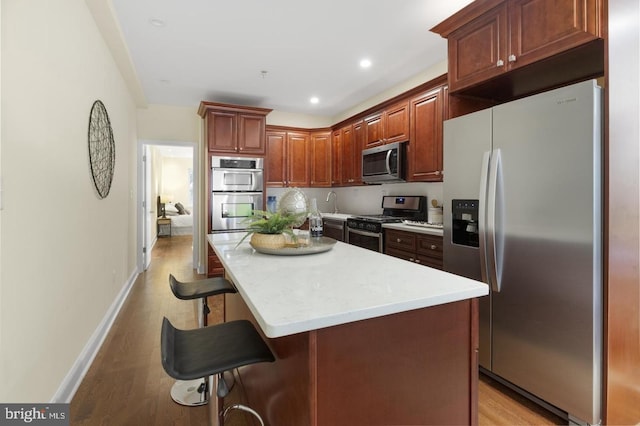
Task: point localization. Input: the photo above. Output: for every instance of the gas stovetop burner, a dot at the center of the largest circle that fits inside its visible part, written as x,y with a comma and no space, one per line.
395,209
382,218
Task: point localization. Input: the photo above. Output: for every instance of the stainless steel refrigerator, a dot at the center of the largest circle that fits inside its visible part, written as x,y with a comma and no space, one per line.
523,213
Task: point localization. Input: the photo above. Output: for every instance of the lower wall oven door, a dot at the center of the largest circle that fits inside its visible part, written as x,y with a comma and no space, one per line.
365,239
230,210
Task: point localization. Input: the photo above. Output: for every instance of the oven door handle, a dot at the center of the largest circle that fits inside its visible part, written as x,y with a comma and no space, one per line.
238,193
365,233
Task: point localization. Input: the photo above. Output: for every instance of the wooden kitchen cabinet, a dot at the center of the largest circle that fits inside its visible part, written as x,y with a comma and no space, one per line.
347,155
415,247
214,266
387,126
320,158
489,38
352,154
424,152
287,158
276,160
336,158
429,250
297,159
232,129
356,153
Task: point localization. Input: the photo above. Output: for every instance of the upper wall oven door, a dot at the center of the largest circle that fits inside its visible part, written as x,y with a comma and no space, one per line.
236,180
236,174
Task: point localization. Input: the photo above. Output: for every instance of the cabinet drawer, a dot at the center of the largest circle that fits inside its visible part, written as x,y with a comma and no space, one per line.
400,240
430,246
401,254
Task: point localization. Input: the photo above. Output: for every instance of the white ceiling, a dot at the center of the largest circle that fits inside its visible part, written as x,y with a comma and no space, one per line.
216,50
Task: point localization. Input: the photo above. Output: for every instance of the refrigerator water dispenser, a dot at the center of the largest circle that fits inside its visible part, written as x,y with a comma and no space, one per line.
464,226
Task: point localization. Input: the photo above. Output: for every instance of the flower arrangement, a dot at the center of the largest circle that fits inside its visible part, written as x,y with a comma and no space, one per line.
263,222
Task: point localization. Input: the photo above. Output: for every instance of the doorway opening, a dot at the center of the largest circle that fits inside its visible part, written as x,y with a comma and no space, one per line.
168,193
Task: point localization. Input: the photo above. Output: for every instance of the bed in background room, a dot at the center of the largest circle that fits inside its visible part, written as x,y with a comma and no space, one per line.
181,217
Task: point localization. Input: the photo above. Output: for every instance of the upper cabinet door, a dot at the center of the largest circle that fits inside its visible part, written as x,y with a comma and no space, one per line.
478,50
397,123
374,131
425,148
276,160
336,158
320,147
298,159
251,134
222,133
542,28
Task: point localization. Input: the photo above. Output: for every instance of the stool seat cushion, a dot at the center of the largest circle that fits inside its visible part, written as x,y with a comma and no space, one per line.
200,288
201,352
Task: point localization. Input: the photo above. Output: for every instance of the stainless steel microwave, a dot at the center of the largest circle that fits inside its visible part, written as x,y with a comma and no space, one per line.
384,163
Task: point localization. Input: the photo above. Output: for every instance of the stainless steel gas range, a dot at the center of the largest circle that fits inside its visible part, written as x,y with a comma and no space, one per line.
366,230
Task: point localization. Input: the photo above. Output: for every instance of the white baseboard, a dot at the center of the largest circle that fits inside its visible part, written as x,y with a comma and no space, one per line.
72,380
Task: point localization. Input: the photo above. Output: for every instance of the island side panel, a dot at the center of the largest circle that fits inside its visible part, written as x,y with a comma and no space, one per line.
416,367
280,391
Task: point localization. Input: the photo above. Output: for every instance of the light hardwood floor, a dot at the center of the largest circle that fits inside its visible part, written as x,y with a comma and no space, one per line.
126,384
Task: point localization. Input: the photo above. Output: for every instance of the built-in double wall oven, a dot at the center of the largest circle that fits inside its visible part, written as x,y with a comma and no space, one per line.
236,190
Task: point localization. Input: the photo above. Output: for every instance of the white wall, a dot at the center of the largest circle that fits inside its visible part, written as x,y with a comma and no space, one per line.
66,253
174,179
169,123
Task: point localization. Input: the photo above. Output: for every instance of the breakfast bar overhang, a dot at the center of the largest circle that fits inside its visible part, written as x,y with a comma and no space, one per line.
360,338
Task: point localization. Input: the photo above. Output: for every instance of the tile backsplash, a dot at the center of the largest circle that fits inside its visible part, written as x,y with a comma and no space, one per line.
365,199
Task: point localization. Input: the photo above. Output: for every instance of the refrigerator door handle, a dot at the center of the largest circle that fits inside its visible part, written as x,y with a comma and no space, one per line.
494,202
482,205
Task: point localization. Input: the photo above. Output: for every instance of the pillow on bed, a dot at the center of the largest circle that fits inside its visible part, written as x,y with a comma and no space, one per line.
170,208
180,208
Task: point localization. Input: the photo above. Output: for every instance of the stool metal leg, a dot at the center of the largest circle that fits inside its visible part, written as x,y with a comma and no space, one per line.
216,410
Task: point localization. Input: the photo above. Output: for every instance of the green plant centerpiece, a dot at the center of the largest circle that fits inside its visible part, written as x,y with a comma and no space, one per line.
268,229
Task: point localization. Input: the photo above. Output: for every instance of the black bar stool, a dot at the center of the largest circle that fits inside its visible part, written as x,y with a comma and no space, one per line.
194,392
210,351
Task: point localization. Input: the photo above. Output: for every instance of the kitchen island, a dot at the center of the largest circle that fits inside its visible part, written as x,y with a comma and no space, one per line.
360,338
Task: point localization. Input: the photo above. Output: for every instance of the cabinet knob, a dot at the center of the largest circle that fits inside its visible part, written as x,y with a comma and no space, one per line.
500,63
512,58
398,240
411,259
417,260
433,246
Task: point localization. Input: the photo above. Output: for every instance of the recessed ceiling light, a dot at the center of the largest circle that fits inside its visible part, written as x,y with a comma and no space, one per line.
314,100
365,63
157,22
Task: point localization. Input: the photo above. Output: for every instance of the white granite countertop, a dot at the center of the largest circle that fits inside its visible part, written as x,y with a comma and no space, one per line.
293,294
337,216
416,229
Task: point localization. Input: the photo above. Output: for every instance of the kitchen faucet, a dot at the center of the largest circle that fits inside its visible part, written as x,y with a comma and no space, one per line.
335,200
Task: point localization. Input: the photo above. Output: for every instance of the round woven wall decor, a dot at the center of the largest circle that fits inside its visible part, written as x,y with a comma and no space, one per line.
102,148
